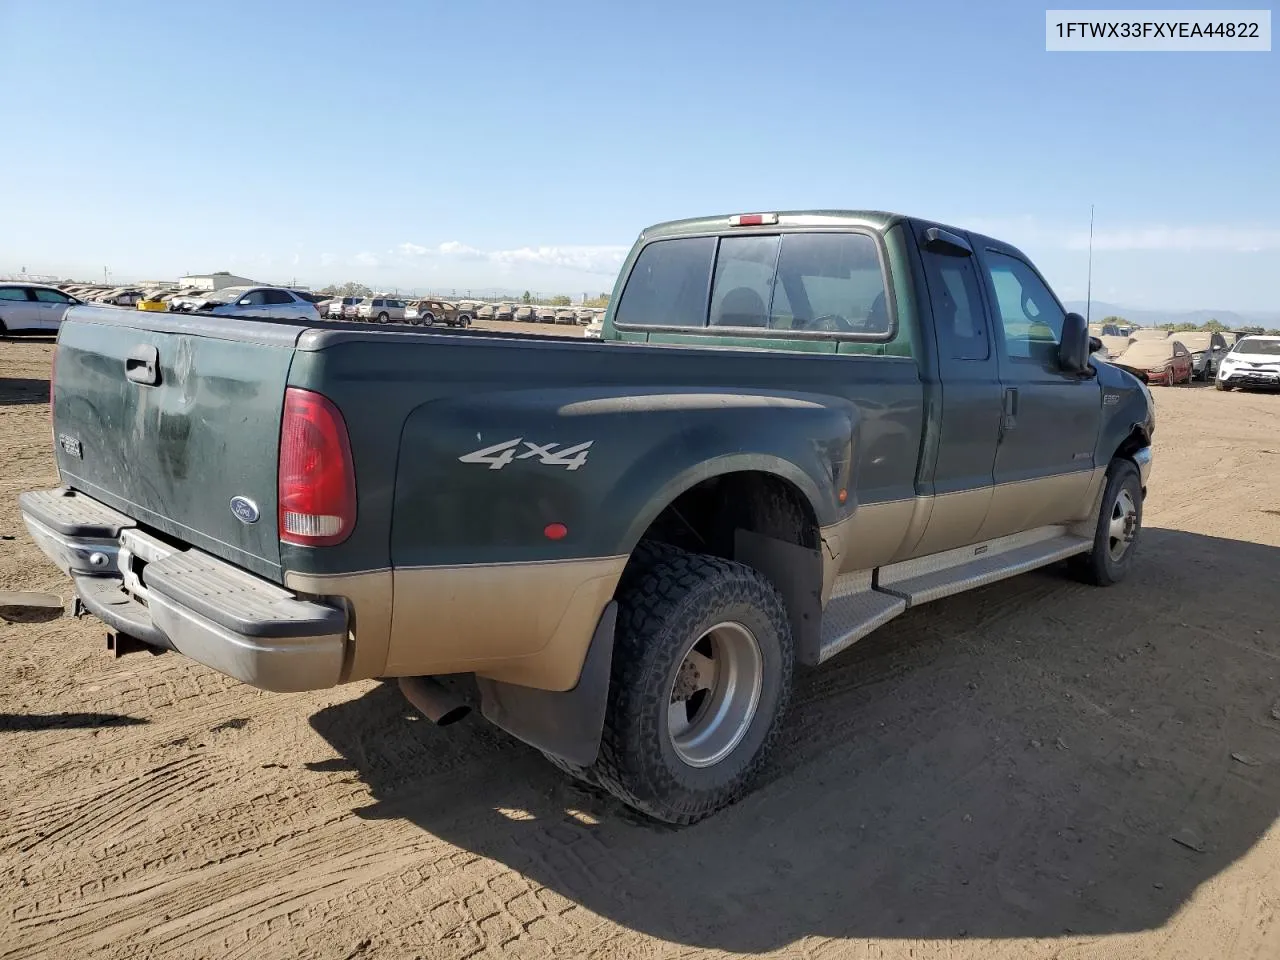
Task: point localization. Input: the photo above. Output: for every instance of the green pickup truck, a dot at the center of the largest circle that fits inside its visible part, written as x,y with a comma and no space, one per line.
794,428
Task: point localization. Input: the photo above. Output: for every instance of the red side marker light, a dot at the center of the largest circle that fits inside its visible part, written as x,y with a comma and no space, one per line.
842,496
555,531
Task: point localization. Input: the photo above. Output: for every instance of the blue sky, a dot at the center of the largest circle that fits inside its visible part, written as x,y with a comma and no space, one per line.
501,143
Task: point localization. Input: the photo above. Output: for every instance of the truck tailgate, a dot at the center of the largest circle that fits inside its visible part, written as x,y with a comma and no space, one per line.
169,417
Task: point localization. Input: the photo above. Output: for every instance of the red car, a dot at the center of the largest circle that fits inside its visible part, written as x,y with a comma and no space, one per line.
1157,361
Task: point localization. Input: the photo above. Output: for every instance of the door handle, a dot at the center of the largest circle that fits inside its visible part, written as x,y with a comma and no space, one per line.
1009,417
143,365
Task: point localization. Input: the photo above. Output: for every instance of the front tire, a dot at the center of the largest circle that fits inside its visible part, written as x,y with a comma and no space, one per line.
1219,385
1115,537
383,318
700,681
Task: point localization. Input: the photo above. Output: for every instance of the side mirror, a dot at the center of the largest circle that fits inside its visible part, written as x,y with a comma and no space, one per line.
1095,345
1073,354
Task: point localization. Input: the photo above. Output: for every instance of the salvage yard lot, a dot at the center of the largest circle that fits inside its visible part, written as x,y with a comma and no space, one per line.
1036,769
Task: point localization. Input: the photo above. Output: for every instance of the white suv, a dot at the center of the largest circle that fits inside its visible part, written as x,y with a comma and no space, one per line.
32,306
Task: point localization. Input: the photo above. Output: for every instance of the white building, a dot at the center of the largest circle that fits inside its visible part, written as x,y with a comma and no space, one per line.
214,281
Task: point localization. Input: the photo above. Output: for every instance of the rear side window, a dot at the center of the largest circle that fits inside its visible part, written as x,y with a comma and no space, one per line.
51,296
276,297
955,294
668,284
13,293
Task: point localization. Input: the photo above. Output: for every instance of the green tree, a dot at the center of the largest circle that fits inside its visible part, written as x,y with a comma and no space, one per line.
1213,326
526,297
1118,321
560,301
600,301
347,290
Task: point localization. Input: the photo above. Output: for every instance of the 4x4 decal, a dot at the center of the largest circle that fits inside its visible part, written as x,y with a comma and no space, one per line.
549,454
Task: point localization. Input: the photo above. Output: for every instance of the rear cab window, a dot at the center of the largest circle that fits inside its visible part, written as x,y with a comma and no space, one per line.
777,287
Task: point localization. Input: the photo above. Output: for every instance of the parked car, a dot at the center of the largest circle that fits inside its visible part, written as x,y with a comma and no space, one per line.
342,308
32,307
154,301
1149,333
1254,361
526,314
629,546
1207,350
585,316
484,311
504,311
546,314
594,329
1164,361
565,315
380,309
248,302
430,312
1115,345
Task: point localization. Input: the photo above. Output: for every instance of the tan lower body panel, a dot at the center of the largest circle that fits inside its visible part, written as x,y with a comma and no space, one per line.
868,537
369,599
879,533
525,623
1028,504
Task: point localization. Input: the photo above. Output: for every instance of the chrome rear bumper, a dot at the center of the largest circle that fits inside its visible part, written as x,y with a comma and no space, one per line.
187,600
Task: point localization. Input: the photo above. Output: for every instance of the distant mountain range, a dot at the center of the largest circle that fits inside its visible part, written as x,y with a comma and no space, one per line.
1231,319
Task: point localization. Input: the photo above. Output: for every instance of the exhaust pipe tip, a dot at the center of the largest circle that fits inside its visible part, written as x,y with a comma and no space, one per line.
433,701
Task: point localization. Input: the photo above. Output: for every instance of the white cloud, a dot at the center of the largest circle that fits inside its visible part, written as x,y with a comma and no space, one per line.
1228,238
1028,232
603,260
367,259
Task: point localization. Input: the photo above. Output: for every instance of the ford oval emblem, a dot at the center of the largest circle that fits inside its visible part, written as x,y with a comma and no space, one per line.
246,510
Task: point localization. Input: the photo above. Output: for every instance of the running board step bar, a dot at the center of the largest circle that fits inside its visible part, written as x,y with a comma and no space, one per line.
932,578
854,610
863,601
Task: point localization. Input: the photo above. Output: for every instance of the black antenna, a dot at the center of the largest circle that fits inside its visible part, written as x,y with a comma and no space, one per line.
1088,296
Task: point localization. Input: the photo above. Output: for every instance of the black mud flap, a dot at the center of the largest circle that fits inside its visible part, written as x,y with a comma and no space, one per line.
566,724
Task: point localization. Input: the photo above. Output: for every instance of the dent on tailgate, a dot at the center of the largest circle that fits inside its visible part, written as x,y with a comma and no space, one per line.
174,454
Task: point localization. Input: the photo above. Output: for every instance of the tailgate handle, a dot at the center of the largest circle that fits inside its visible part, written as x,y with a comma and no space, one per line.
143,365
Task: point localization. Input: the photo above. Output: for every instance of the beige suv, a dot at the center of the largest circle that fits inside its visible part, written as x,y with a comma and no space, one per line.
380,309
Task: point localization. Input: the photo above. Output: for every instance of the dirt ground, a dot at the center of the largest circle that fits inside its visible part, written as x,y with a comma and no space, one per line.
1038,769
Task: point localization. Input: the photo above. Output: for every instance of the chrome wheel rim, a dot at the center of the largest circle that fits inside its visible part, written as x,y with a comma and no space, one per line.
714,694
1124,523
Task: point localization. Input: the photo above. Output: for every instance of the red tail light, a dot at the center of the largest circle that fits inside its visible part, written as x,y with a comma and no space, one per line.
317,496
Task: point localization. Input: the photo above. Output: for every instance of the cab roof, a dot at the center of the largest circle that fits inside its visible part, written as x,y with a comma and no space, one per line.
873,219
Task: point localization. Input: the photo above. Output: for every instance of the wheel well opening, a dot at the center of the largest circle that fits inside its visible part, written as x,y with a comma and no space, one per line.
705,518
1135,441
763,521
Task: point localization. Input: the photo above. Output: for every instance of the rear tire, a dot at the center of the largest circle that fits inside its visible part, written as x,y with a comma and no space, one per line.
1116,535
464,320
701,678
429,319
